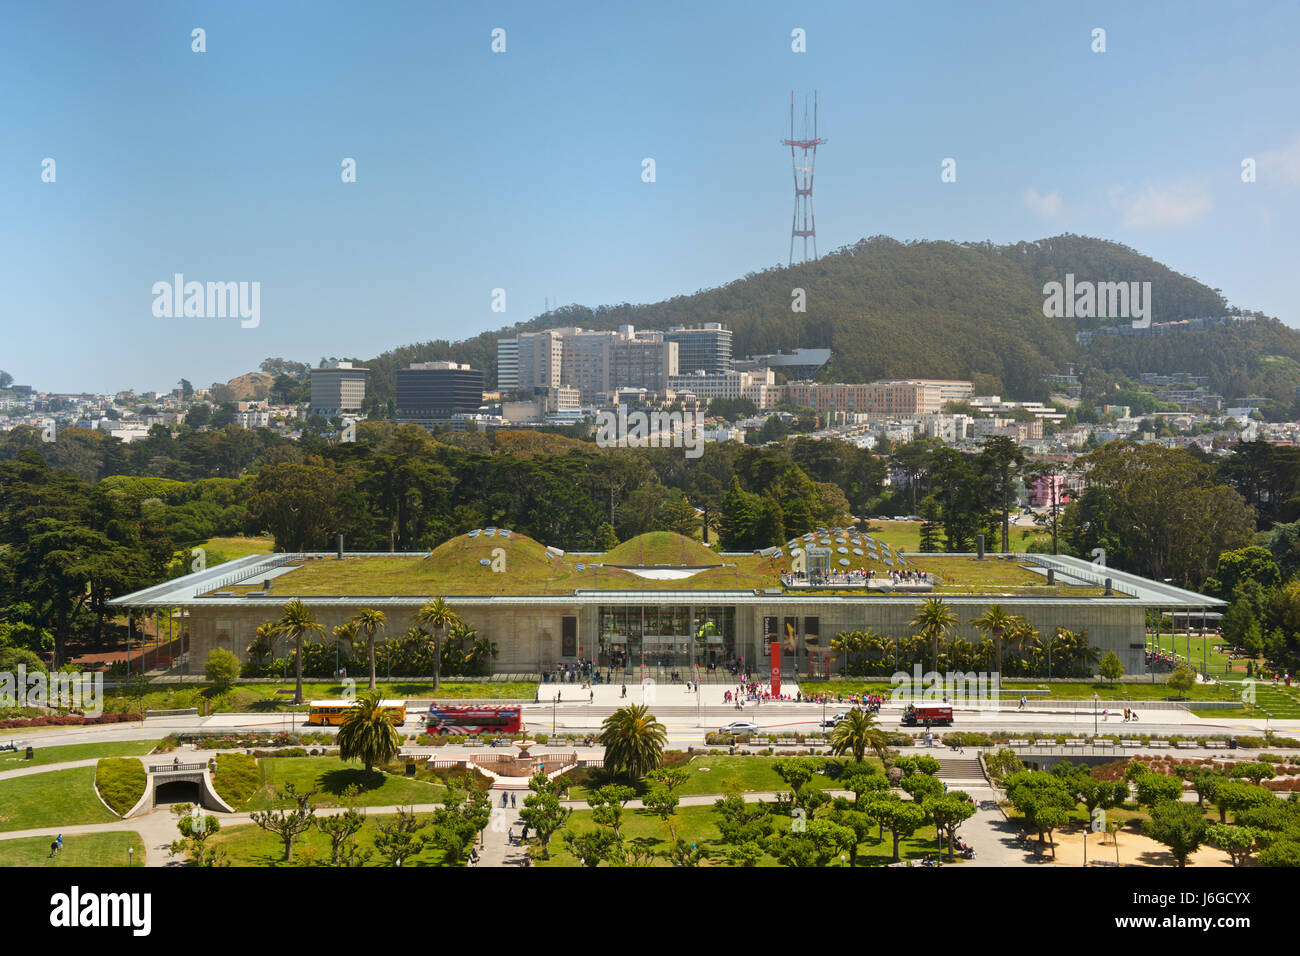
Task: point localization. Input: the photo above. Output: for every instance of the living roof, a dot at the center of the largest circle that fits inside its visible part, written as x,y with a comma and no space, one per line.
462,567
466,565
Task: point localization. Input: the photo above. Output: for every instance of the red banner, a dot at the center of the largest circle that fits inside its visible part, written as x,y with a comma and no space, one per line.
776,668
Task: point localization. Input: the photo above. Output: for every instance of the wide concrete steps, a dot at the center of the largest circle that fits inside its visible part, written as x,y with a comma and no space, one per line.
960,770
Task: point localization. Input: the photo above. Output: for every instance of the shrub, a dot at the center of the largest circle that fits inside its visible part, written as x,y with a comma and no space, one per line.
121,782
65,720
222,669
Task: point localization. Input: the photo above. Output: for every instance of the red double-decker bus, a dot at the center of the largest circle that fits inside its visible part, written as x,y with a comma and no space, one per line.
452,719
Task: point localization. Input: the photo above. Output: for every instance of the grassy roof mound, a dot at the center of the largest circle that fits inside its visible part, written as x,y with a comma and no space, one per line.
659,548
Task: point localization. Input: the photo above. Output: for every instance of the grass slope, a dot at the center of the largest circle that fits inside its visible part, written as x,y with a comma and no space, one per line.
57,798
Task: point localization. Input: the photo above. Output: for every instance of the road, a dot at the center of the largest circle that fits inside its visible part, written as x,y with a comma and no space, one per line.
687,718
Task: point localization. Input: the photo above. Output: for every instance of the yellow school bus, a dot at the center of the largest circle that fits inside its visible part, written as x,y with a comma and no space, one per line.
330,713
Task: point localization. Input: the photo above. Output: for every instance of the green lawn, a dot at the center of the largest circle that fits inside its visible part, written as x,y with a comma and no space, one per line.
48,755
1280,702
87,849
250,845
329,777
271,698
57,798
698,825
1204,656
222,549
1011,689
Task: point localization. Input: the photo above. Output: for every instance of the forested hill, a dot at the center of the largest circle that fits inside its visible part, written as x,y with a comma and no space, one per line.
923,309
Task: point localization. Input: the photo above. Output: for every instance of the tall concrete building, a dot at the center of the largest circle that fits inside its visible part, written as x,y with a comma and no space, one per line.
507,364
430,393
595,362
337,389
705,348
540,355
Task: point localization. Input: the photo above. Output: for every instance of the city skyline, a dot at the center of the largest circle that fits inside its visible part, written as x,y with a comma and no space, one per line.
227,165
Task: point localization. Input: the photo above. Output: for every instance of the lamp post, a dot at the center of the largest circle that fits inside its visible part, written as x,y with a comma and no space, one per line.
1095,699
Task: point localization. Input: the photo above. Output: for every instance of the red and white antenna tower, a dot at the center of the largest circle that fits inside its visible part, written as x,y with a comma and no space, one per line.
805,221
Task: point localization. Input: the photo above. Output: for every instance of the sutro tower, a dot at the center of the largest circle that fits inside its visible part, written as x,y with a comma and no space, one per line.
805,221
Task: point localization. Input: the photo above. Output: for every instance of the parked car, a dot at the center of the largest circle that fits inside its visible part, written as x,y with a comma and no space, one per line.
739,727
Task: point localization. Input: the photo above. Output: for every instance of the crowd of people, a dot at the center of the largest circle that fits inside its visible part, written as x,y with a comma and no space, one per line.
852,578
756,692
578,673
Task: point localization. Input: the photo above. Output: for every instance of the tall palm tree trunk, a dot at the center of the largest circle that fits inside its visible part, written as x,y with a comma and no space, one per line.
297,668
371,651
437,656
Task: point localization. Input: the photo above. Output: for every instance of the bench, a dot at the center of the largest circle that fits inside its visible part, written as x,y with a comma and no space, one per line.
1044,743
1158,743
1216,744
1186,744
1103,742
1076,743
758,740
1017,743
787,742
1130,743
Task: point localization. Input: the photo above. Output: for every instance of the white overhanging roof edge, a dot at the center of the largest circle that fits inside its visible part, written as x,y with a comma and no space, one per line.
186,591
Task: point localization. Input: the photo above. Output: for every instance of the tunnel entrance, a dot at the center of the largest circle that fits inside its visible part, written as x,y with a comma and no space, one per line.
177,791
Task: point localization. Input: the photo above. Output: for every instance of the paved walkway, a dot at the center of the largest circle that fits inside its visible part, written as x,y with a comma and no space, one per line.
47,768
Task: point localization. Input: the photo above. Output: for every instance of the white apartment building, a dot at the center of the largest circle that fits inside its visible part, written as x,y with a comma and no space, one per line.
507,364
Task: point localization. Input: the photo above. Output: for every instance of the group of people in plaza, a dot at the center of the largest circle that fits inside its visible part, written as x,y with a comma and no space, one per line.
761,693
580,672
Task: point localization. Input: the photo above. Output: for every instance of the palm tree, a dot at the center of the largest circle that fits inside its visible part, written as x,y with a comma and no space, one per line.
932,619
996,622
345,636
260,646
855,734
633,740
367,733
296,622
369,622
437,614
848,643
1015,639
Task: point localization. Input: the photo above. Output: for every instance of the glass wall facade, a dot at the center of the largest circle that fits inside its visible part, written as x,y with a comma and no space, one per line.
659,641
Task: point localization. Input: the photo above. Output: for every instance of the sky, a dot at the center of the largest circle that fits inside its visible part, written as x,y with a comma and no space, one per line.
522,170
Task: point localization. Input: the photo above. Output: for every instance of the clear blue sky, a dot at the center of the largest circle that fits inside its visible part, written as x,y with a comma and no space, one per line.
522,170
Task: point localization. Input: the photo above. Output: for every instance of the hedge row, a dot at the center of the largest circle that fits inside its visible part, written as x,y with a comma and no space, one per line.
66,720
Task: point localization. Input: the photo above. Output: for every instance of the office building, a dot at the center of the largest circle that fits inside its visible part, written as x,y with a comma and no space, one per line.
431,393
337,389
507,364
705,348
